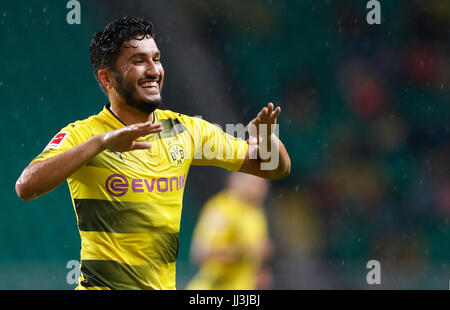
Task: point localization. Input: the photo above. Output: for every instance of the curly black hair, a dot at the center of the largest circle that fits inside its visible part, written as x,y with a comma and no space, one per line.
106,44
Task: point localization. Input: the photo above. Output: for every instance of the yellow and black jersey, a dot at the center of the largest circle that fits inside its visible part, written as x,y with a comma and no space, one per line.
128,205
228,221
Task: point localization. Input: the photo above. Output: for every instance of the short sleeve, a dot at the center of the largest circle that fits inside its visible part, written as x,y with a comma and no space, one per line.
214,147
65,139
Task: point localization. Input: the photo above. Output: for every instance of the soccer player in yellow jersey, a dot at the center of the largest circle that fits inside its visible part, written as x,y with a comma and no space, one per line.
126,167
230,241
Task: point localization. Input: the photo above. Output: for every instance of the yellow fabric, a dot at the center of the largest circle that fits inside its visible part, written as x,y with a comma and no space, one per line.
228,221
128,205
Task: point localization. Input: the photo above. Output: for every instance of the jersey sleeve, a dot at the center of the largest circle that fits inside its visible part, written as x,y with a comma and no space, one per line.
214,147
65,139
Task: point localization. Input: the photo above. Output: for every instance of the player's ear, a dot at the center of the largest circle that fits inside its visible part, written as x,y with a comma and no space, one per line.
105,77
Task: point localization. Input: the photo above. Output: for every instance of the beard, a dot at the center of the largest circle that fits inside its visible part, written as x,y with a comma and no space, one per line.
127,91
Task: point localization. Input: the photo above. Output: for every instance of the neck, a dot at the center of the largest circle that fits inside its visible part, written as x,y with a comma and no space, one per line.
129,115
241,194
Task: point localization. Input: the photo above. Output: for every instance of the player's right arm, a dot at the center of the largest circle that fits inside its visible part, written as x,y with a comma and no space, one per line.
41,177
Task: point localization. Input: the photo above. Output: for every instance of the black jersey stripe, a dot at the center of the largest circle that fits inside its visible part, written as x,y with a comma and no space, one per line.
117,276
118,216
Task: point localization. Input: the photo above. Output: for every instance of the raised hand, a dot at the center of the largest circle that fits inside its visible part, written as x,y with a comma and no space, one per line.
268,117
123,140
266,155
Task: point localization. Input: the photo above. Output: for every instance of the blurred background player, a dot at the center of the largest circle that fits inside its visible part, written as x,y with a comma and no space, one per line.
231,241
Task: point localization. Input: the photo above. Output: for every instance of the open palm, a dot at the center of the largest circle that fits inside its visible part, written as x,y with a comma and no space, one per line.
123,139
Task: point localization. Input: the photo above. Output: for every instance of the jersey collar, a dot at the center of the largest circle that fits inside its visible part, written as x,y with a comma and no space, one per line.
115,120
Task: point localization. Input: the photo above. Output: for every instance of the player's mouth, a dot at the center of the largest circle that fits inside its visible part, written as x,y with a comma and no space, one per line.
150,86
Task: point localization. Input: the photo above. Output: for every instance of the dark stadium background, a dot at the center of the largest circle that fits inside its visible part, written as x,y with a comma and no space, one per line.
365,119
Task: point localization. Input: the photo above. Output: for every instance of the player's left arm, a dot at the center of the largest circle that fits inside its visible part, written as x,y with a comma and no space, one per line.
267,156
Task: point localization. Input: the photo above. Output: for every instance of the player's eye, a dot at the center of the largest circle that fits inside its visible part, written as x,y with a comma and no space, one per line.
139,61
156,59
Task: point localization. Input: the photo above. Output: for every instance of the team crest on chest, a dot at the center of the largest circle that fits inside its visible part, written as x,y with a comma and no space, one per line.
177,154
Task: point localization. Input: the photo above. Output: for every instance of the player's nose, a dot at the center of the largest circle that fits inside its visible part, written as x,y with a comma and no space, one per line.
151,70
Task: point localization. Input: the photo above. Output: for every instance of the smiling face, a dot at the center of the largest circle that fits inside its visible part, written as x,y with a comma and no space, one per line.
138,75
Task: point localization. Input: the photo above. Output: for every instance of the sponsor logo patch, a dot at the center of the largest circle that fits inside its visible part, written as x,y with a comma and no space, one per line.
118,185
58,140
